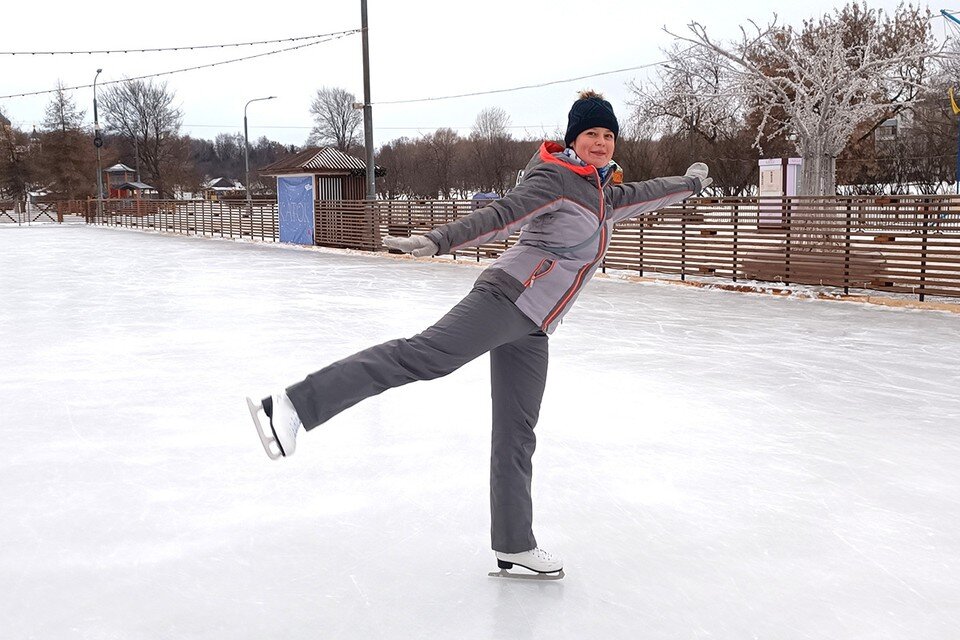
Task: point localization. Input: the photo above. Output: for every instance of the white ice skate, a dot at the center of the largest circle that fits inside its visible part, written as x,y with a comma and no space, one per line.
280,439
545,565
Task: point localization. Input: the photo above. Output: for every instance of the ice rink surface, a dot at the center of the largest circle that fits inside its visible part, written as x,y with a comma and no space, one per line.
711,465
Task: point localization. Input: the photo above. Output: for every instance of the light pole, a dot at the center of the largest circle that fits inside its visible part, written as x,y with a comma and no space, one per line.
246,151
97,142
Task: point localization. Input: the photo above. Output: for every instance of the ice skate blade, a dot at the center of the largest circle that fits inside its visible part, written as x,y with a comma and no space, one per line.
265,440
503,573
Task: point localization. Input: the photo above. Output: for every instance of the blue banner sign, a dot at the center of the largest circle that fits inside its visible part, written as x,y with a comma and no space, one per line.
295,200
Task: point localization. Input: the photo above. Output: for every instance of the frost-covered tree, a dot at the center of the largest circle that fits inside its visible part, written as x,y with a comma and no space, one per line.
691,94
694,109
818,84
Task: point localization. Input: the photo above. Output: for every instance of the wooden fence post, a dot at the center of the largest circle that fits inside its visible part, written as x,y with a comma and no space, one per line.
643,225
736,226
923,246
846,254
786,217
683,242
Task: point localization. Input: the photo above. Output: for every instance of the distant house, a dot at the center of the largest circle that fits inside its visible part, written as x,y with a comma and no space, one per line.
887,132
336,175
219,188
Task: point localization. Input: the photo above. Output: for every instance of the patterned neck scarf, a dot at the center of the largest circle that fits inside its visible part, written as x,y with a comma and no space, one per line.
603,171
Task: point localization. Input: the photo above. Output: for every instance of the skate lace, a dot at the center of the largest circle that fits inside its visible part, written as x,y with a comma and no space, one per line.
293,422
543,555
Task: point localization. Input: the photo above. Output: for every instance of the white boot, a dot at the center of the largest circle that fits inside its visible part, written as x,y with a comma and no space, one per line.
284,424
536,560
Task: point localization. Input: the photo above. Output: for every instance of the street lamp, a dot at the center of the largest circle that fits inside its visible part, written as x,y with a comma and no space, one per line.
97,142
246,151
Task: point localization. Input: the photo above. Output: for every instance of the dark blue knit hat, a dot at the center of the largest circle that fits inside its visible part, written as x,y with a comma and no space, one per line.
590,111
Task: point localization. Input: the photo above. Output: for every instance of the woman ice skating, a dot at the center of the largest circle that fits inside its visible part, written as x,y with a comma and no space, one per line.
565,207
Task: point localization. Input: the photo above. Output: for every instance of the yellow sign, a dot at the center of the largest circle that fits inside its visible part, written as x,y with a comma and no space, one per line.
953,103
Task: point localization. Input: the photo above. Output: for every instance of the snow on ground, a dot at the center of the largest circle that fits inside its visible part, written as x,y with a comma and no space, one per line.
710,464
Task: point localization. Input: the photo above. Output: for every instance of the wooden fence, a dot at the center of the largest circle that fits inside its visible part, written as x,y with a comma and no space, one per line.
896,244
902,244
225,218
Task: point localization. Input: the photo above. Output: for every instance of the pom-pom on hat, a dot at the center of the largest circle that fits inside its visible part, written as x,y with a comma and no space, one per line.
590,111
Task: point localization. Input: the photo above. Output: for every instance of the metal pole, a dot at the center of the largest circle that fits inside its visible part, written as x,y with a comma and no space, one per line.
246,153
367,107
97,142
136,154
246,163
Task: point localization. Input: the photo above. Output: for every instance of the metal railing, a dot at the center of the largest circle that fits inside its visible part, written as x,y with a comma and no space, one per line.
21,213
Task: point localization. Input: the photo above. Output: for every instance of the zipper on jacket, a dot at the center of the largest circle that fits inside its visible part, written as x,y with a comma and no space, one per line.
537,273
577,282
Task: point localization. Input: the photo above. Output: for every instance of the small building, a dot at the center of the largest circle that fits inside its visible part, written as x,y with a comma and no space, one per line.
115,176
779,181
134,190
336,175
223,188
315,175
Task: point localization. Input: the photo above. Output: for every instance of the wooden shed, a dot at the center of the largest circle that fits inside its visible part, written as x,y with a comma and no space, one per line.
135,190
311,186
336,175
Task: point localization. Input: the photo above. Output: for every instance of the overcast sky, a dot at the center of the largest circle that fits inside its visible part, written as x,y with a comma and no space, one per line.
418,48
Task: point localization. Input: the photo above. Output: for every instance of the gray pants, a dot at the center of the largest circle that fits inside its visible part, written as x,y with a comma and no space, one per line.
485,320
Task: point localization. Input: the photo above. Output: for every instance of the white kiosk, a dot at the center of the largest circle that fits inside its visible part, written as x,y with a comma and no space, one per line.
779,178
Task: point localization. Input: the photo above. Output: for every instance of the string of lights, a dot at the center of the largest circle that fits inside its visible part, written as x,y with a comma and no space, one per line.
166,49
185,69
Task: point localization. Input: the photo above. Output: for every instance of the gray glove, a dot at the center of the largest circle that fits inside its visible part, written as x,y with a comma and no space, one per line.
700,170
418,246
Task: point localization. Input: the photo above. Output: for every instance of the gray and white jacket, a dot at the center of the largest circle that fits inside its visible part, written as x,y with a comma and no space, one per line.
565,214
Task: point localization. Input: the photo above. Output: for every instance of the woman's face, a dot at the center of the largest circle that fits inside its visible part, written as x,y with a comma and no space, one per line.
595,146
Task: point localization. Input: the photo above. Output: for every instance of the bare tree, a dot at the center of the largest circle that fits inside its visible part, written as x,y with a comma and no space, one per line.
143,113
817,85
400,160
223,157
440,162
18,163
229,150
494,166
336,122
